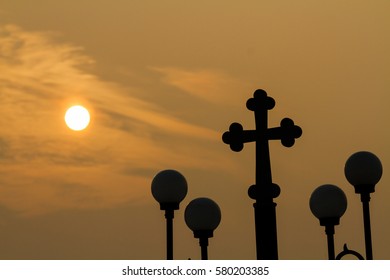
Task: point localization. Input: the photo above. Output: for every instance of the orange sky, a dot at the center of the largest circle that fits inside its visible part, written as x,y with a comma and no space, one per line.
163,80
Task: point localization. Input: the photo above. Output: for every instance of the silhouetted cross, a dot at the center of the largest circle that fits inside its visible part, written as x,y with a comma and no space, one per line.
264,191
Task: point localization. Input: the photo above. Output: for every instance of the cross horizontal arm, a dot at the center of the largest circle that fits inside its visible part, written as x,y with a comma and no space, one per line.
287,132
237,136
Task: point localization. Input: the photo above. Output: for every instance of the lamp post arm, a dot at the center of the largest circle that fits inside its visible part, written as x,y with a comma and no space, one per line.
346,251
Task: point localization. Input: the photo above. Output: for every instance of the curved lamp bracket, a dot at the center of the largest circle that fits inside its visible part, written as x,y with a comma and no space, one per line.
346,251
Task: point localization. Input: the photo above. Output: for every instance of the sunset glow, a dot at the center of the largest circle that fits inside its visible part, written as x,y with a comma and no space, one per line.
154,85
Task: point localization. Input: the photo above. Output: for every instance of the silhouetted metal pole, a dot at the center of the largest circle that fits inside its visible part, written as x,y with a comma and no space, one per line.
204,243
264,191
329,230
365,198
169,215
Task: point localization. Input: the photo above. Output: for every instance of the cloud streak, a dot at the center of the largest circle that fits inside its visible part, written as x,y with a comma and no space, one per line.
209,85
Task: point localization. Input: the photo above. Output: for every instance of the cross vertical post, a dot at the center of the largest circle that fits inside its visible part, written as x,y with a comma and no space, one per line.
264,191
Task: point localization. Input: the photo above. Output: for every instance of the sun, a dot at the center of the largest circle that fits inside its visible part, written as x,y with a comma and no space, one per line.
77,118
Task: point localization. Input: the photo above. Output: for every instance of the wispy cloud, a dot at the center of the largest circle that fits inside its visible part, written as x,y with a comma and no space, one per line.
210,85
44,166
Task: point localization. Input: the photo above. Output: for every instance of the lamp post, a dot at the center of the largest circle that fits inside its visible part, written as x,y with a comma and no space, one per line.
169,188
363,170
202,216
328,203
